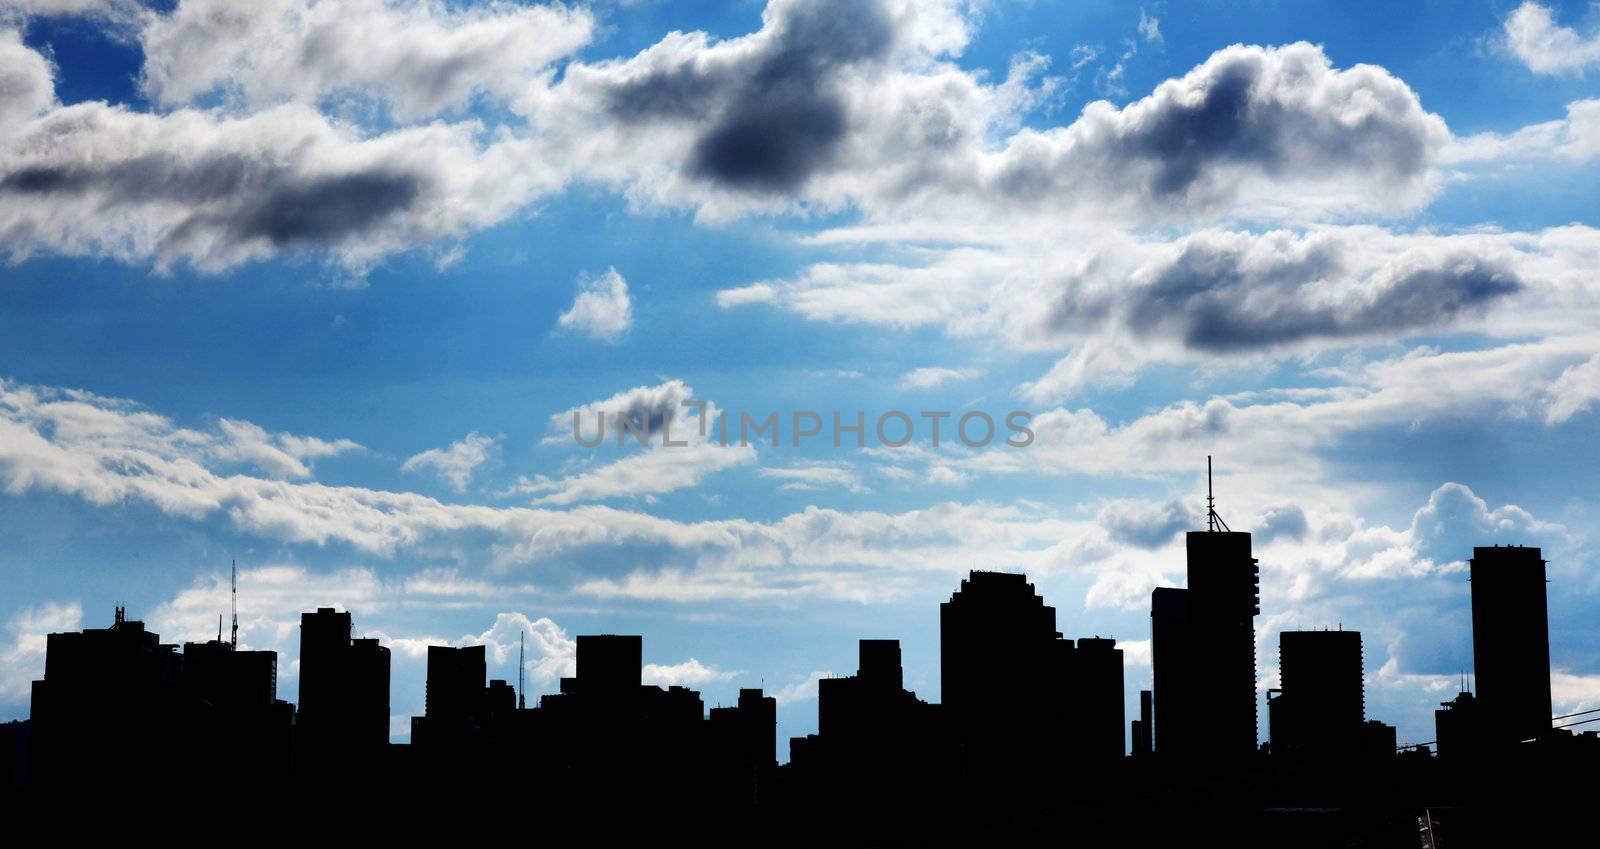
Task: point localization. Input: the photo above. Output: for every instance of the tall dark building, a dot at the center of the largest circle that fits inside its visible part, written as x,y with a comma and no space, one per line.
1014,689
231,705
1320,710
1173,675
1096,701
344,689
1204,652
108,697
1002,666
1511,643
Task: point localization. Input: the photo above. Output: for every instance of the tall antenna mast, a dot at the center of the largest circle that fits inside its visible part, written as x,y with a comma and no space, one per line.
234,576
1213,521
522,701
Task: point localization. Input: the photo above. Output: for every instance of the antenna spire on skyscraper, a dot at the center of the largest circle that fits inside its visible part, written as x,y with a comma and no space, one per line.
1212,519
234,579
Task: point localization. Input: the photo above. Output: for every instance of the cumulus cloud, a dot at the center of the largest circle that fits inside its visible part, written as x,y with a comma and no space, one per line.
215,190
829,105
1144,523
22,656
456,462
93,179
833,105
1546,47
27,84
1125,302
602,308
648,414
417,57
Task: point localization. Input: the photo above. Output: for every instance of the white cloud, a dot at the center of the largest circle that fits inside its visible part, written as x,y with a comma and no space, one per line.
110,452
662,412
808,477
415,56
1121,303
1545,47
1575,139
800,691
602,308
1149,28
1574,391
932,377
282,455
456,462
689,673
22,657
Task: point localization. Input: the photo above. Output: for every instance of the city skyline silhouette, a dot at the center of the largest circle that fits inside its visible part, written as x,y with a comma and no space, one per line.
1028,716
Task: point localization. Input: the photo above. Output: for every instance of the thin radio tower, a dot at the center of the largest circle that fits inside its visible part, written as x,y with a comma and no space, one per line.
522,701
234,578
1212,519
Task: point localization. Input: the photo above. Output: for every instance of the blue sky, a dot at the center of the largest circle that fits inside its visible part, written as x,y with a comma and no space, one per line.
317,289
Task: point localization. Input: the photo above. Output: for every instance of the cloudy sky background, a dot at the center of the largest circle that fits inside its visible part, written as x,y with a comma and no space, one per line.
318,287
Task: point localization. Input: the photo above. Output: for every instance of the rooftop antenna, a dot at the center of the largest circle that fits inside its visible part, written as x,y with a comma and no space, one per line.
1212,519
522,701
234,578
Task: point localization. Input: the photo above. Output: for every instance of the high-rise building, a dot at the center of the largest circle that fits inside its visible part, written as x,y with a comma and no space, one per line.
1014,689
344,689
455,687
1319,711
1173,673
1096,705
995,634
107,697
1204,652
1510,643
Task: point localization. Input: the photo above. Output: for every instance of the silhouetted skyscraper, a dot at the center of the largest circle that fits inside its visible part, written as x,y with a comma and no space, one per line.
107,697
1511,643
455,687
1096,700
1204,652
344,688
1173,674
1003,665
1320,710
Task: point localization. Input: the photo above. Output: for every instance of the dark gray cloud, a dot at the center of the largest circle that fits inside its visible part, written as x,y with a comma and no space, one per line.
1287,521
1145,524
246,198
328,209
1200,143
1219,306
1229,293
775,115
